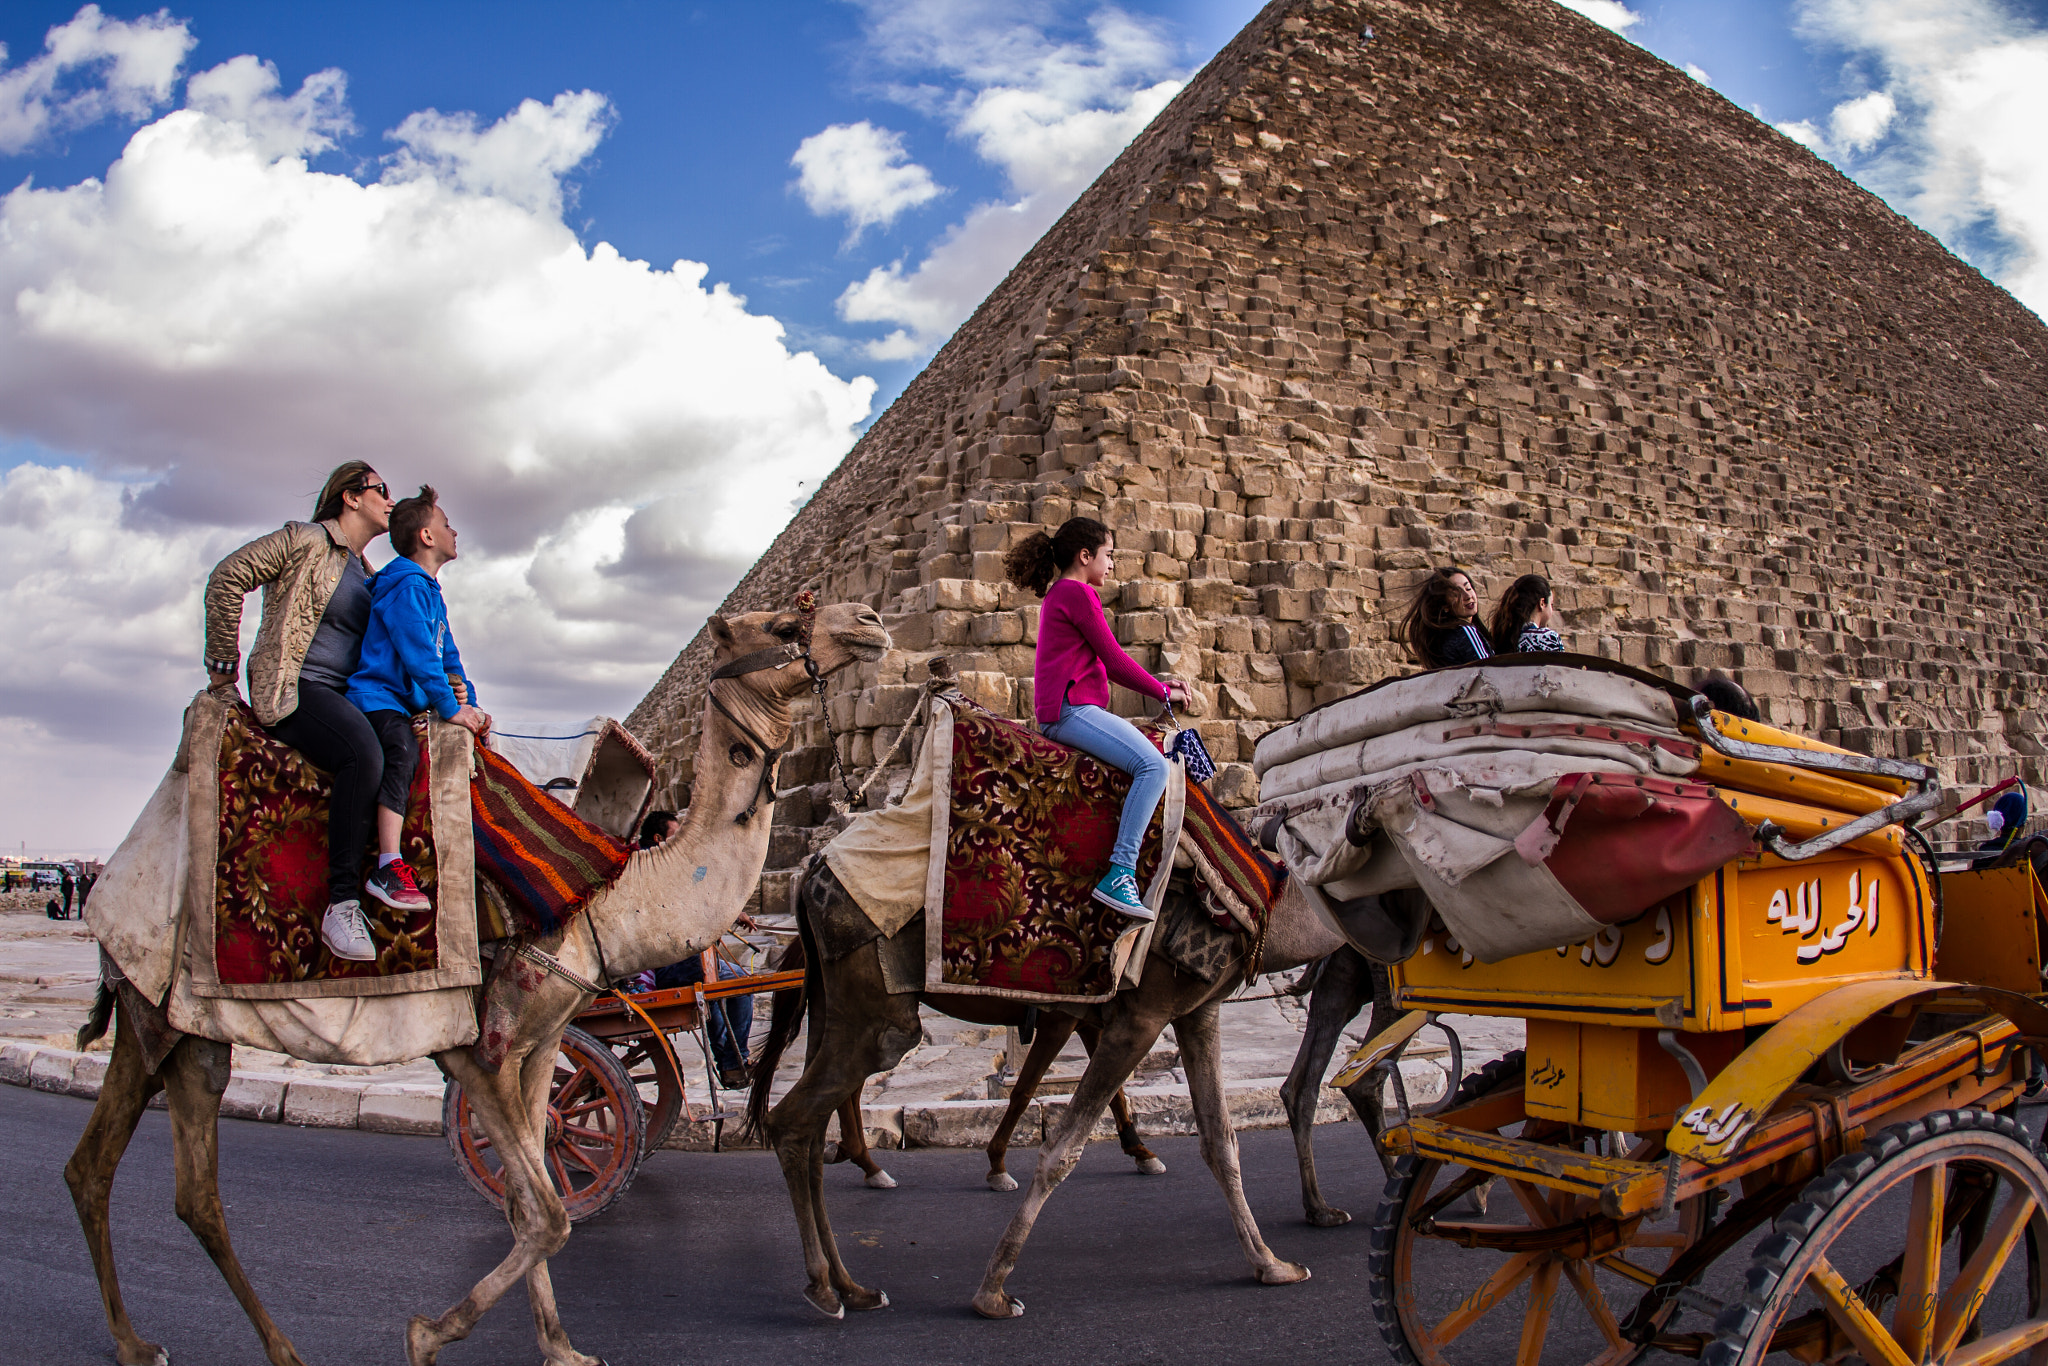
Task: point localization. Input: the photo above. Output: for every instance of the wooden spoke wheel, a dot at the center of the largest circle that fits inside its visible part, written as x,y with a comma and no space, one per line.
653,1068
1925,1246
595,1131
1538,1276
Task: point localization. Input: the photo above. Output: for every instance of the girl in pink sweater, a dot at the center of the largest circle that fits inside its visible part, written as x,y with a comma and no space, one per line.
1077,658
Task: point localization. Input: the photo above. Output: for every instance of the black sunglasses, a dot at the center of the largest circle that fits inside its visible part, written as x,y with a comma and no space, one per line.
378,489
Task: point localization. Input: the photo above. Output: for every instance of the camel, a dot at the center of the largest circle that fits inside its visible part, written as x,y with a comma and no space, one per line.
668,903
1337,986
858,1028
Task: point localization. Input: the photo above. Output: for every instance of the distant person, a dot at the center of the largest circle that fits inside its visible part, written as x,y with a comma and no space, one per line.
50,910
66,887
316,605
658,826
1441,627
1726,695
409,664
2006,819
1523,621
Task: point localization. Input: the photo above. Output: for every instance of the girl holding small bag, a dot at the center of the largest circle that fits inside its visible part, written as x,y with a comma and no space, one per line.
1077,658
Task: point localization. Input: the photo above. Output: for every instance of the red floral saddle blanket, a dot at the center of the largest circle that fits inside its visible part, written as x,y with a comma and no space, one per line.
490,825
1030,825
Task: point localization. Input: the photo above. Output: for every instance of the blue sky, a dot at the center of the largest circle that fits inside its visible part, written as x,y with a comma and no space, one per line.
626,280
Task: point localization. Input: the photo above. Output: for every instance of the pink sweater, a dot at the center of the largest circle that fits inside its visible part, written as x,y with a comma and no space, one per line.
1077,654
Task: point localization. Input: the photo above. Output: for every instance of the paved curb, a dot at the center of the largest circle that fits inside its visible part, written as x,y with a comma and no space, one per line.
330,1102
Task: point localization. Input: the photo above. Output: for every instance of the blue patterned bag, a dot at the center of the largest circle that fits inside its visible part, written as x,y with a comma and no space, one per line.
1187,747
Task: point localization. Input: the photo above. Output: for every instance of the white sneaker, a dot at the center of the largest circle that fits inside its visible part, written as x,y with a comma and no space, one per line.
346,934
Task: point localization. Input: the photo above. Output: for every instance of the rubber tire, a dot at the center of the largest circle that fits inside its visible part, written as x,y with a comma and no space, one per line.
591,1200
1502,1071
1737,1323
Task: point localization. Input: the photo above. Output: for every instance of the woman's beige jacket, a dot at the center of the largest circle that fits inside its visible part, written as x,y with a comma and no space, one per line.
297,566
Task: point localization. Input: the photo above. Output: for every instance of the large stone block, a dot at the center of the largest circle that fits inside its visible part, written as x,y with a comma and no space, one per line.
322,1104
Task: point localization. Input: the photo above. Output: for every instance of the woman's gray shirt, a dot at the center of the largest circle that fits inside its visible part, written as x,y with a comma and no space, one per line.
338,640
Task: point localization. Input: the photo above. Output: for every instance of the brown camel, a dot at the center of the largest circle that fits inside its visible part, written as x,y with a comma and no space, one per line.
1337,987
669,903
858,1028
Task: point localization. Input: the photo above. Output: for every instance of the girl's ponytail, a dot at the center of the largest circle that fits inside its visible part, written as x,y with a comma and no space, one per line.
1029,563
1038,559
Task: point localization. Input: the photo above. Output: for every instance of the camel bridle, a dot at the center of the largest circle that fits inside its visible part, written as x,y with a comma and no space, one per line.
772,658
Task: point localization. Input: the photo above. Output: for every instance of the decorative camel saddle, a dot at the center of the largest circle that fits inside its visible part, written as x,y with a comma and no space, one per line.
1532,803
235,938
999,839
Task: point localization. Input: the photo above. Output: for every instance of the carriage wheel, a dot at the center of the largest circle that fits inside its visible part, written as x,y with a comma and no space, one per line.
595,1128
1948,1216
1534,1276
652,1065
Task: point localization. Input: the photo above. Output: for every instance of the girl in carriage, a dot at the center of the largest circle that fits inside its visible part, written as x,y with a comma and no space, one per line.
1526,620
1442,627
1077,657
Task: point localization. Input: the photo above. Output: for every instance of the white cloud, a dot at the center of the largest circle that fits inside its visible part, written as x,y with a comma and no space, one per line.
1966,87
130,69
212,326
1806,133
1606,13
1859,124
1698,73
1050,113
862,172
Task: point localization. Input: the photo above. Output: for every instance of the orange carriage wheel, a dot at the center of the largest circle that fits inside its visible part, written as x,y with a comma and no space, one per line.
1925,1246
595,1130
652,1065
1535,1276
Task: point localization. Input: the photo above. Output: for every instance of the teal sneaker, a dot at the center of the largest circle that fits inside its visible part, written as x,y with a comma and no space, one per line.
1119,891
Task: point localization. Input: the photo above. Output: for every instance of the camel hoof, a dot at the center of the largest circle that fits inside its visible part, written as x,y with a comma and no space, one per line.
1152,1166
826,1303
998,1306
150,1355
881,1180
420,1349
1001,1181
1328,1217
865,1300
1283,1273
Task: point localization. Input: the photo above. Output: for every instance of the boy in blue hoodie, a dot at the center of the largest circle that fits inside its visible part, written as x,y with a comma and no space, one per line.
409,664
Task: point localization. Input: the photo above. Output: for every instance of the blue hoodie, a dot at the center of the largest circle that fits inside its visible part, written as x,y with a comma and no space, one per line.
408,651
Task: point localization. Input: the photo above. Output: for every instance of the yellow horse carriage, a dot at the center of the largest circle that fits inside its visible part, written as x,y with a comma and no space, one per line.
1781,1097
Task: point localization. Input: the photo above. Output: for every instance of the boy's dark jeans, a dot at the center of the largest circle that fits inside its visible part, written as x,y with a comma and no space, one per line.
401,757
327,729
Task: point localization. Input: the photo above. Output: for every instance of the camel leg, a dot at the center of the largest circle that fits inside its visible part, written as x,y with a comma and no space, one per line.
1054,1029
1201,1054
853,1145
90,1174
1339,992
851,1045
195,1075
511,1107
1126,1122
1126,1039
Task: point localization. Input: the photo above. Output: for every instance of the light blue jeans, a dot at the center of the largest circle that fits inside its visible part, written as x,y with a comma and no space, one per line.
1119,744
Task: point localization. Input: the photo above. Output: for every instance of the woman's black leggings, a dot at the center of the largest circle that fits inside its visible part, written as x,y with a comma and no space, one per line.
328,730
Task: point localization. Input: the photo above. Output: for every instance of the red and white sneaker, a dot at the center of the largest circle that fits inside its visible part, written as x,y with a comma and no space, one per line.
395,886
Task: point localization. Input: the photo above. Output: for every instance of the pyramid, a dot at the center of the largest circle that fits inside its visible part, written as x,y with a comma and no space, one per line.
1391,285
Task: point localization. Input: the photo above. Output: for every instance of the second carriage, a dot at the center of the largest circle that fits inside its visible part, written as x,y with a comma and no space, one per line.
1773,1084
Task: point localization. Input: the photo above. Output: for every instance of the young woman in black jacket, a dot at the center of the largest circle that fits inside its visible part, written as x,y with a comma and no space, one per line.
1442,625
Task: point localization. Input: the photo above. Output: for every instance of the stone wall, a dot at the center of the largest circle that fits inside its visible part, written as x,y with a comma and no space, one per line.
1392,285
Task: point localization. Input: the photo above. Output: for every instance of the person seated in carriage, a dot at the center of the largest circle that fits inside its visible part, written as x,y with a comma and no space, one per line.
1441,627
409,663
1077,657
316,606
1525,621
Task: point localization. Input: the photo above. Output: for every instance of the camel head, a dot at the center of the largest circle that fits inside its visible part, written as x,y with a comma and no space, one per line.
841,633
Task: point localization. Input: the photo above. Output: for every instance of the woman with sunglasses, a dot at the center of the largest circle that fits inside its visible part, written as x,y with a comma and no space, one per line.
316,605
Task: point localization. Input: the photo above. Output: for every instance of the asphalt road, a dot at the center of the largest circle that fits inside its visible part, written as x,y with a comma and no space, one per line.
346,1234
